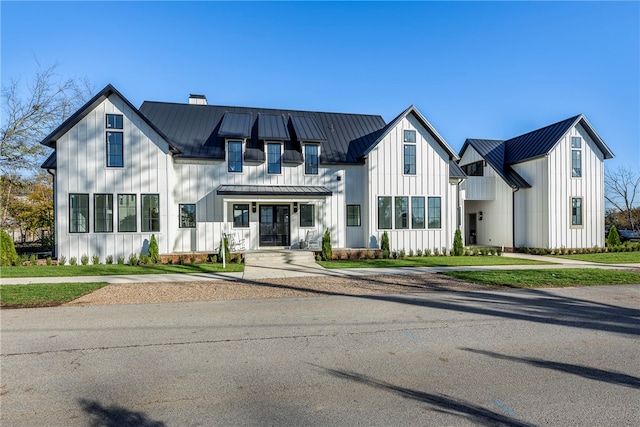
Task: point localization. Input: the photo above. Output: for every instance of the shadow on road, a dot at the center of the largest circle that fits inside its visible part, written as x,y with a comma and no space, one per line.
115,416
439,402
610,377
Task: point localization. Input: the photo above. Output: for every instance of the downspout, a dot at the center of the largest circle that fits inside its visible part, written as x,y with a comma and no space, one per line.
513,219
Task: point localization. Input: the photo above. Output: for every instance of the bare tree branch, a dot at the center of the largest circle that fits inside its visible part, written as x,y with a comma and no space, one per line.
622,187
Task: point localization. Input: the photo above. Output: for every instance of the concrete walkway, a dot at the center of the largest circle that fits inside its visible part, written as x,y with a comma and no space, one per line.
291,264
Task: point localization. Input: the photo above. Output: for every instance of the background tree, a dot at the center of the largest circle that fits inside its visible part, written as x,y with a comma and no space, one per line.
30,111
622,190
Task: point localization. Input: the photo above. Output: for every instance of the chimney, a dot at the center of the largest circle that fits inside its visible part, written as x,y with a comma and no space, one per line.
197,99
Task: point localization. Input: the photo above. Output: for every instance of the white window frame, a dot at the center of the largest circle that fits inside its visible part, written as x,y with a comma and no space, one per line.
579,151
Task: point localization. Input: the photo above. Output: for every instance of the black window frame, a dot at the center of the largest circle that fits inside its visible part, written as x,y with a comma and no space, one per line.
416,209
401,216
129,209
116,123
237,154
73,214
106,218
577,212
271,162
149,225
431,218
243,208
406,136
410,159
304,221
383,215
351,216
115,159
181,217
474,169
311,161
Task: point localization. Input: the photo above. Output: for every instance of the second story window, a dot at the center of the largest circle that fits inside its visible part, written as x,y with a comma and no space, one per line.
274,158
311,159
115,154
409,159
235,156
409,136
576,157
474,169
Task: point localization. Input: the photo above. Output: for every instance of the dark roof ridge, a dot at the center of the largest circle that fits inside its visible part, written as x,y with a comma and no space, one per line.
570,119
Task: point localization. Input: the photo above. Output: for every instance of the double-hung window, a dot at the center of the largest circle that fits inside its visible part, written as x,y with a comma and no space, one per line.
576,157
127,219
307,216
402,212
150,212
78,213
576,211
353,216
241,216
434,220
187,215
384,212
103,213
115,153
417,212
274,158
235,156
311,159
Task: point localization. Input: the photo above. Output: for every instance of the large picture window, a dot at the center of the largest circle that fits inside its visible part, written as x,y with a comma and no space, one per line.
103,213
434,212
235,156
576,211
274,157
353,216
311,159
127,220
187,215
417,212
150,212
78,213
384,212
307,216
409,159
241,216
402,212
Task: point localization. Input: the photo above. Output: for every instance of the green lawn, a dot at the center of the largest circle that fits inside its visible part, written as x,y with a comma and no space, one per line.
113,269
607,257
431,261
548,278
43,294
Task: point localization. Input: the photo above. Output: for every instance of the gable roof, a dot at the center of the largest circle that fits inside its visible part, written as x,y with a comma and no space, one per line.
382,133
541,141
195,130
493,152
51,139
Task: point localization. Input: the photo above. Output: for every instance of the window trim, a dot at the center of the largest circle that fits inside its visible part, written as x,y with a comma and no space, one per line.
279,145
380,227
474,168
406,132
235,141
317,159
244,207
135,211
576,156
581,207
400,219
107,148
95,213
142,219
414,156
87,217
359,218
428,216
180,223
313,215
106,122
413,207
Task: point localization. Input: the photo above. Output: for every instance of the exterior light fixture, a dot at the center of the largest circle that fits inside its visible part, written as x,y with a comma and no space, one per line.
295,207
253,207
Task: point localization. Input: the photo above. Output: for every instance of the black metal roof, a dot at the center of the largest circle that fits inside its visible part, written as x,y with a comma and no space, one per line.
493,152
272,127
194,129
235,125
273,190
307,130
455,171
51,162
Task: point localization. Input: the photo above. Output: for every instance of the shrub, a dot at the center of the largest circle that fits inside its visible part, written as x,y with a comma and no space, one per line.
48,260
318,257
327,252
120,260
483,251
8,254
410,253
33,259
192,259
133,259
499,251
181,259
95,259
224,245
465,252
385,245
492,251
359,255
73,261
419,252
368,254
457,243
109,259
613,239
62,260
436,252
154,255
144,259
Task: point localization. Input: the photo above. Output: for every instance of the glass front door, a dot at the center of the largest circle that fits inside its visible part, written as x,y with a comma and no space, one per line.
274,225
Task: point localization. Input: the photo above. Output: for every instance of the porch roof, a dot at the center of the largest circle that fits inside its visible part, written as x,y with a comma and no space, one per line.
273,190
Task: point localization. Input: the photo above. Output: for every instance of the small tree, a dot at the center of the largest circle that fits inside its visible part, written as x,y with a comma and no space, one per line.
154,255
8,255
327,252
613,239
224,245
384,245
458,249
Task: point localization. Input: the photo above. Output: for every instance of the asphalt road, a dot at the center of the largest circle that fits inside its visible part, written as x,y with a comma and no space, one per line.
543,357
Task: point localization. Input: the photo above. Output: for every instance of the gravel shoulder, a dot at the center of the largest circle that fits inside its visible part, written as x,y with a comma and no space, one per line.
218,290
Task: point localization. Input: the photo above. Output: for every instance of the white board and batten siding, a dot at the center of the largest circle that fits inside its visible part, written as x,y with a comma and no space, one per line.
82,150
385,176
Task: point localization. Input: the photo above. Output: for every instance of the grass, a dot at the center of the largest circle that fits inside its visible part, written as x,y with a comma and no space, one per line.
113,270
431,261
607,257
43,294
548,277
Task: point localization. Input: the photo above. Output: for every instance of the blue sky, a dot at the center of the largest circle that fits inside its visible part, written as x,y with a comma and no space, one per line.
475,70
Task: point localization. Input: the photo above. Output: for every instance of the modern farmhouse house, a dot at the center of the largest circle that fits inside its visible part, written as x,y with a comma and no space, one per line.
189,172
543,189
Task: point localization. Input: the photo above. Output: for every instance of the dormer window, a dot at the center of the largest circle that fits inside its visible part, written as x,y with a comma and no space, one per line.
576,157
274,158
311,159
234,156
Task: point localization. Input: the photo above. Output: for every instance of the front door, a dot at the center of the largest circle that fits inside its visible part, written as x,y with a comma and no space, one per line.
472,237
274,225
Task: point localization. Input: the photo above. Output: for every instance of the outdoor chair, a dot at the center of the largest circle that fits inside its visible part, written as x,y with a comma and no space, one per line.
312,240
